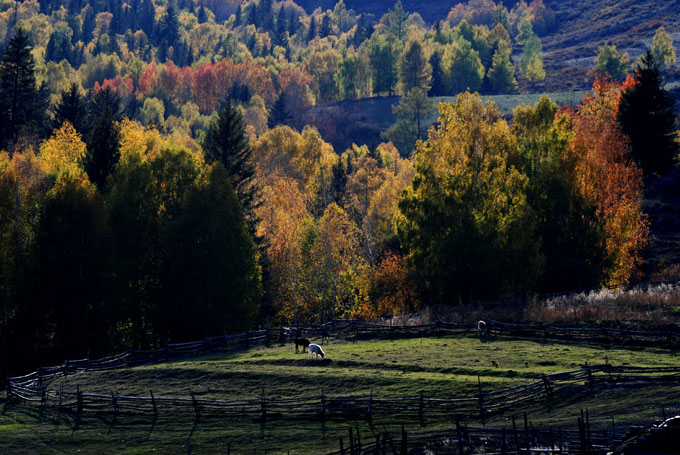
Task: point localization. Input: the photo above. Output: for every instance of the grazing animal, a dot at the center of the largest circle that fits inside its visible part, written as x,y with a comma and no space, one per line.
526,364
494,363
481,326
315,349
304,342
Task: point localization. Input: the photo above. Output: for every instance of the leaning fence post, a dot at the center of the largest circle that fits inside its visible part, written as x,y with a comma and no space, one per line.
153,403
195,403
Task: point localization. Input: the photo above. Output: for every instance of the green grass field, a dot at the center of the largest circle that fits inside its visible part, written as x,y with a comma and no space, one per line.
447,366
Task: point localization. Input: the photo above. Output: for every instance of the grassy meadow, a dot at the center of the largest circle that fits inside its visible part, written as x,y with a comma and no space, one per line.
446,366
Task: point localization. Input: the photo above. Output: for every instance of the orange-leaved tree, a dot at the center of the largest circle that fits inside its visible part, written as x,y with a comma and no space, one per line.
605,175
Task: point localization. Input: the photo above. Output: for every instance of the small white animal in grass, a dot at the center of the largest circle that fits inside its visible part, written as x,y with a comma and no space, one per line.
315,349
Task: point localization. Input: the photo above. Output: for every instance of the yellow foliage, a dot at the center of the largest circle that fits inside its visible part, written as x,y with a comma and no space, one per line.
64,150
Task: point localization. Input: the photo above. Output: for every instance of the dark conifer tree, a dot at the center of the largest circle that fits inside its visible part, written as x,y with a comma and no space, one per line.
20,102
88,24
226,141
647,115
202,16
103,148
106,99
311,33
438,87
325,28
279,115
147,17
339,183
239,14
72,107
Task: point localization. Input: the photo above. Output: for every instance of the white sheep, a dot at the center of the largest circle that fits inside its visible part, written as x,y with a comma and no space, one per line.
481,326
316,350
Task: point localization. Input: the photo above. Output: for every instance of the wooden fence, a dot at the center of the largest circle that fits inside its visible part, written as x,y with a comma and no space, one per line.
31,387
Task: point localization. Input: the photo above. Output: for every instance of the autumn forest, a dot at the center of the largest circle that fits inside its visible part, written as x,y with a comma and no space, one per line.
161,177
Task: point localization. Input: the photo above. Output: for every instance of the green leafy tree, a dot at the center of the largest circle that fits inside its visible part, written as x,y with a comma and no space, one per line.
609,62
381,52
20,105
663,48
396,20
571,248
502,73
464,68
412,111
414,69
647,115
466,223
531,61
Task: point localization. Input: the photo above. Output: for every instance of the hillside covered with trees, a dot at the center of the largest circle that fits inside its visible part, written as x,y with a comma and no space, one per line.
160,179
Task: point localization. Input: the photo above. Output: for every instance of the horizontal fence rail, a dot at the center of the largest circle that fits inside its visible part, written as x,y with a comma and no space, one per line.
31,387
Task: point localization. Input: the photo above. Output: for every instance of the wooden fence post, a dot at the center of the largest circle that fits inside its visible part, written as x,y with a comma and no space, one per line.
481,398
79,400
43,398
114,402
153,403
504,447
8,384
263,404
370,404
514,429
420,407
460,438
342,448
548,391
351,442
323,404
188,447
404,445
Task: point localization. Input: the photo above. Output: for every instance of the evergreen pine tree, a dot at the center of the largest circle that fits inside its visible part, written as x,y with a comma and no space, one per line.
647,115
106,99
338,183
438,77
19,98
325,28
103,148
226,141
311,33
88,24
72,107
203,17
279,115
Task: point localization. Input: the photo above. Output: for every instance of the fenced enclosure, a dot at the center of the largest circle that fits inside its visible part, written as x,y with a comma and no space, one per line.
32,387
